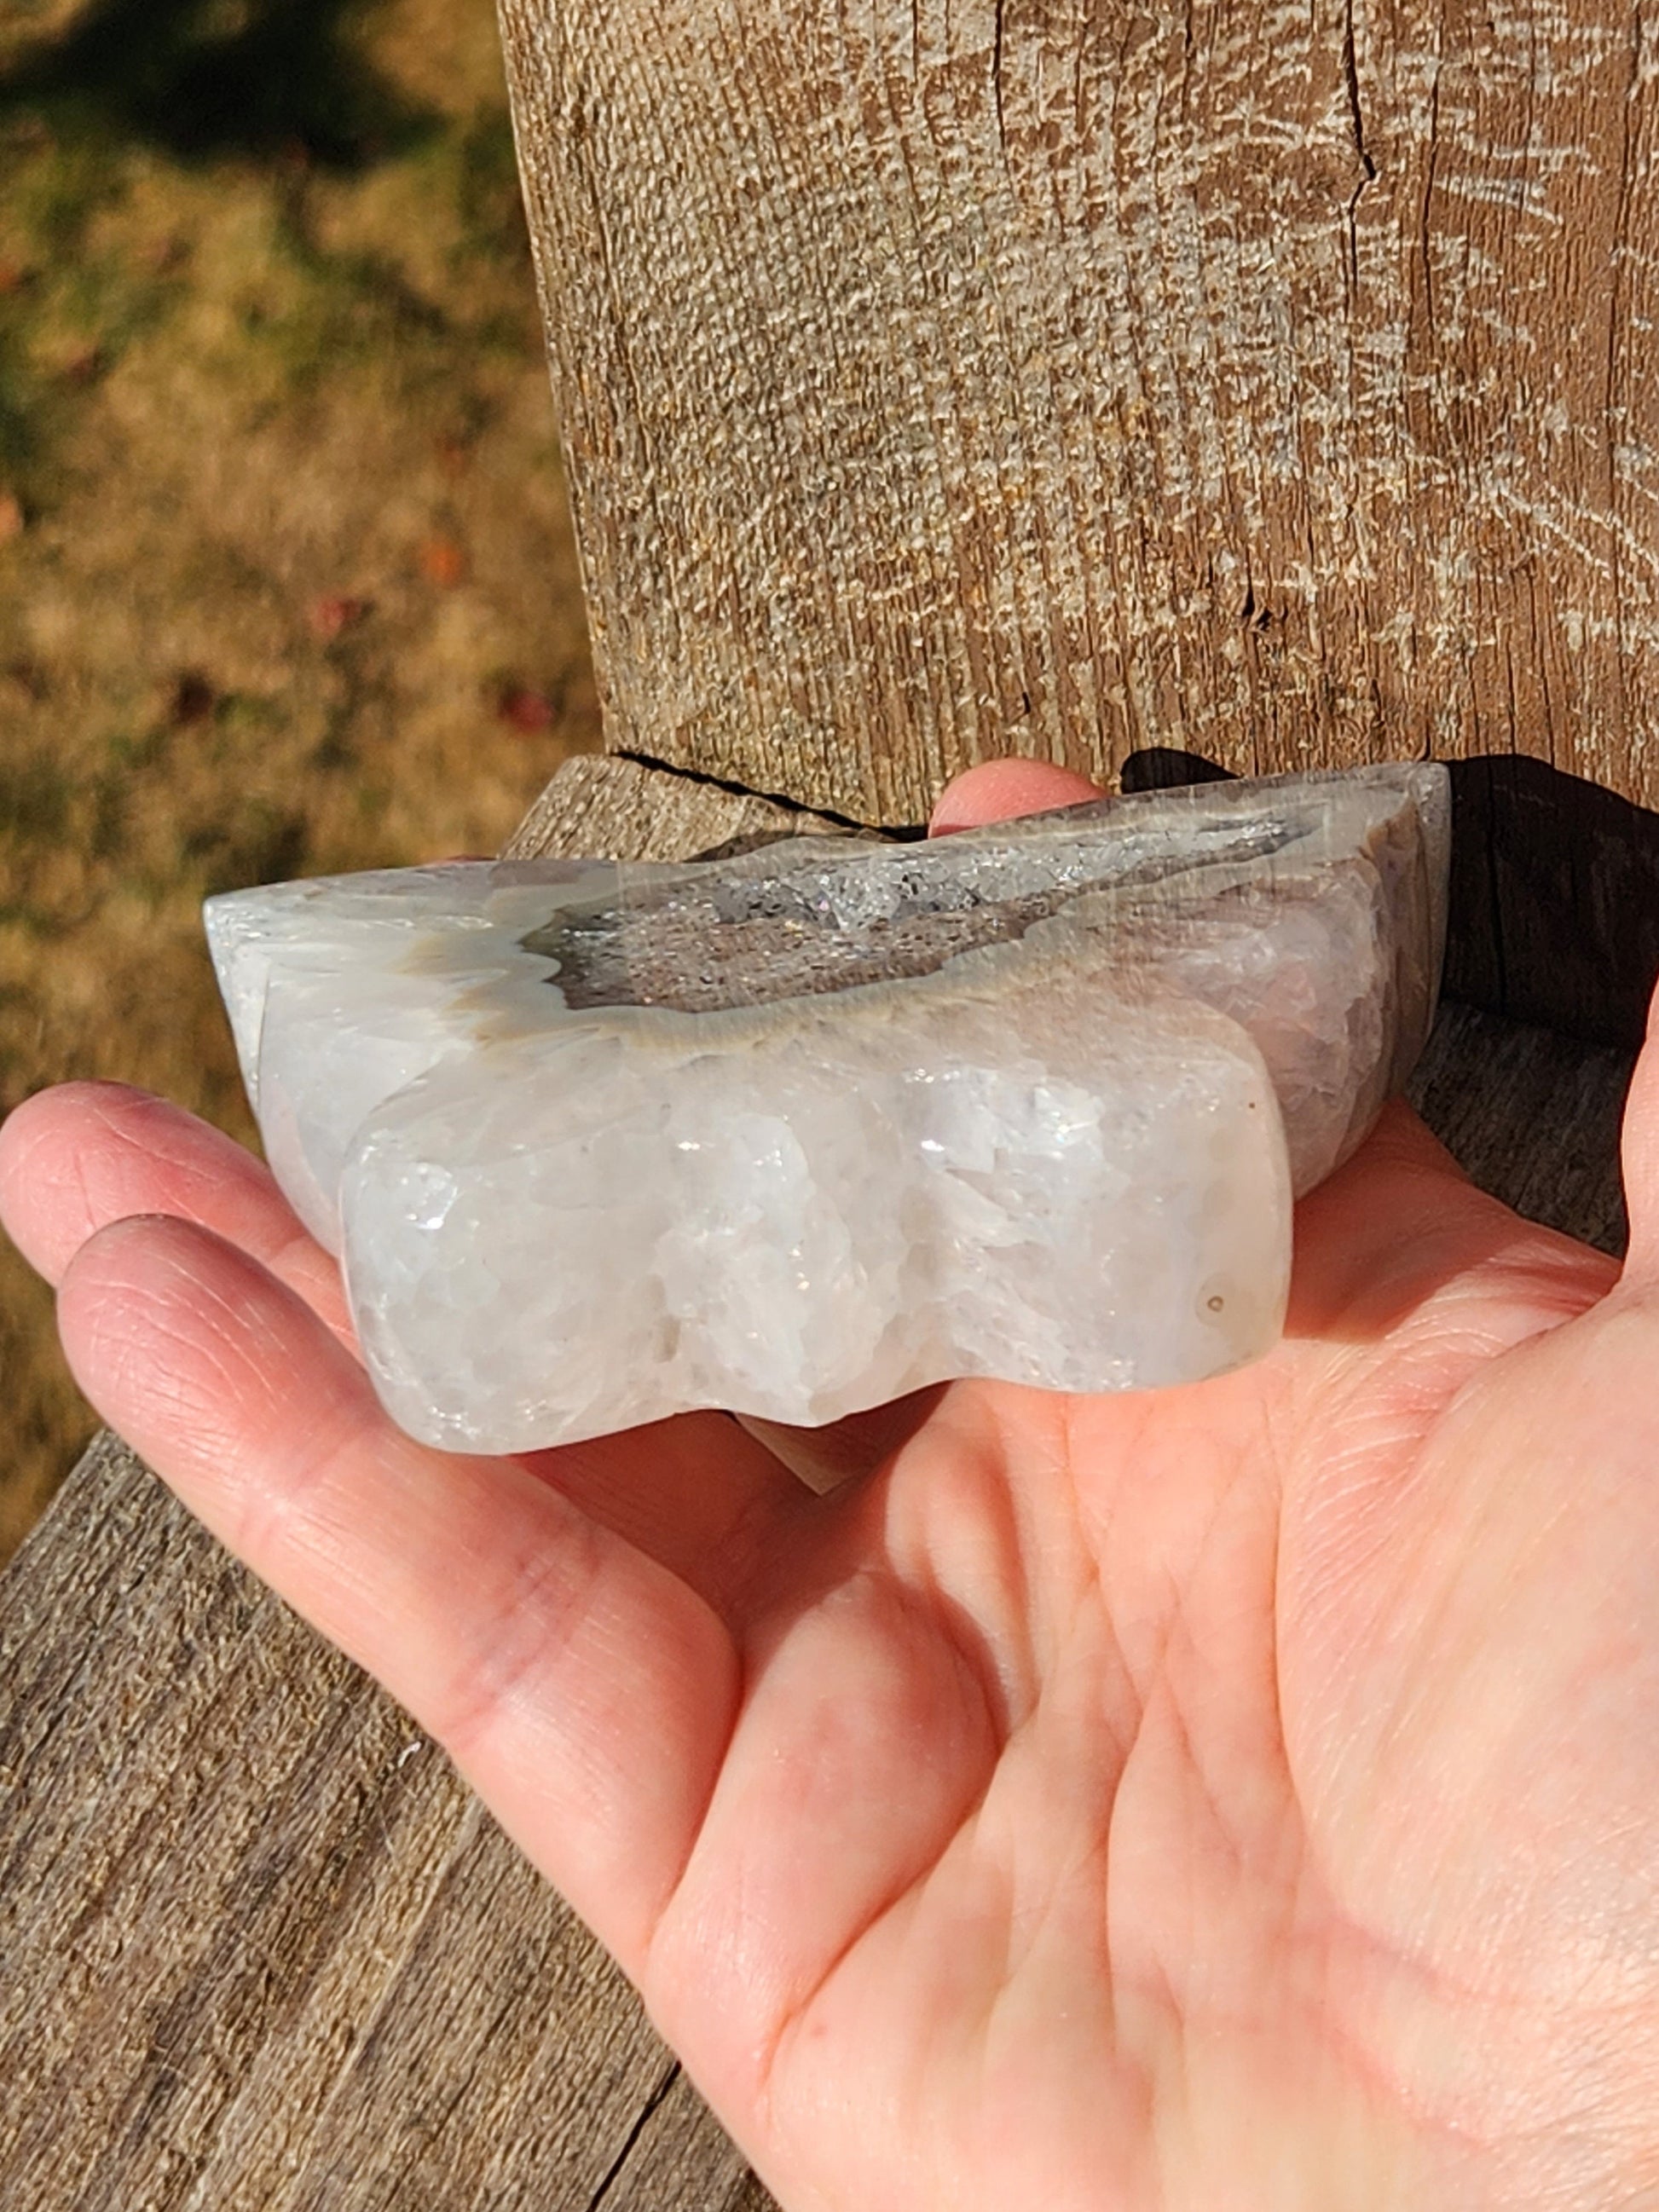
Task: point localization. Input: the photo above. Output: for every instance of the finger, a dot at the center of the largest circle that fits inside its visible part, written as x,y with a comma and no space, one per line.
1640,1151
999,790
75,1158
584,1691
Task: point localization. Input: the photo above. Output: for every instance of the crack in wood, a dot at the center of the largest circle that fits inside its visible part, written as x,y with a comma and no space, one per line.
1356,114
1357,128
996,29
900,832
647,2113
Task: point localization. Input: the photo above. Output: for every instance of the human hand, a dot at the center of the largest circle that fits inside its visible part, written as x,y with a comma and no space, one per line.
1241,1796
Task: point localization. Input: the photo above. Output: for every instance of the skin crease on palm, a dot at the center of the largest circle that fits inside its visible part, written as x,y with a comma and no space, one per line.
1241,1796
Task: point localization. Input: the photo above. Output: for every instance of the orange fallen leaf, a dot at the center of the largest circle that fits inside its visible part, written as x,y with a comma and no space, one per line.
442,561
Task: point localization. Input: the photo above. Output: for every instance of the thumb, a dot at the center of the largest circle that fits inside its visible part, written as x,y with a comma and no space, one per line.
1640,1152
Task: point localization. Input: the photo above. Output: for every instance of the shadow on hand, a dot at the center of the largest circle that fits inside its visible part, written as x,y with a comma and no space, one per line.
845,1452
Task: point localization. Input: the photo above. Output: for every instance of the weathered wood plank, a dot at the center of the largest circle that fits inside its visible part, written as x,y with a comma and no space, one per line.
1532,1116
259,1949
235,1888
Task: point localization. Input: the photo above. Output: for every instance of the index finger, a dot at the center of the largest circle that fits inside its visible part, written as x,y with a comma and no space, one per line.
586,1691
75,1158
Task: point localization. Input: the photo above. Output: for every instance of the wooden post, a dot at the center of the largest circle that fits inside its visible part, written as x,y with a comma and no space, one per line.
938,380
942,378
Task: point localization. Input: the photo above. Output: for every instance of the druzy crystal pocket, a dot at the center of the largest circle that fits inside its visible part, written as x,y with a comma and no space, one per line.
796,1131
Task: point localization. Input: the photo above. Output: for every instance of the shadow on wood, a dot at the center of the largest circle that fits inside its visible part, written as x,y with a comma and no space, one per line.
1554,896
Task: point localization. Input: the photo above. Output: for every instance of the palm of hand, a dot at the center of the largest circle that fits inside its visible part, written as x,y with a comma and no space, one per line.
1224,1797
1238,1795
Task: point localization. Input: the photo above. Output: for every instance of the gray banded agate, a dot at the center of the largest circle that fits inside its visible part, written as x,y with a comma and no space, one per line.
795,1131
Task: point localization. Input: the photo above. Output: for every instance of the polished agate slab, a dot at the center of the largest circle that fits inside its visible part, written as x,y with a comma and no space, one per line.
798,1130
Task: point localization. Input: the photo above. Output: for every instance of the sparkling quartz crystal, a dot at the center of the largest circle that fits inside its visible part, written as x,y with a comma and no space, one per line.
795,1131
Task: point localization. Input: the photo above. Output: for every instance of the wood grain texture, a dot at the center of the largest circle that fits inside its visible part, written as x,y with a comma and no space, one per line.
260,1951
945,378
1532,1116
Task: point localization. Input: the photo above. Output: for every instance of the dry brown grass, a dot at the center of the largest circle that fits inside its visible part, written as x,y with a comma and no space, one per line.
286,581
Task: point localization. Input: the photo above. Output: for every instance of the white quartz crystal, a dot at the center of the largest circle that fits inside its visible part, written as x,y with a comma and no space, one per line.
797,1131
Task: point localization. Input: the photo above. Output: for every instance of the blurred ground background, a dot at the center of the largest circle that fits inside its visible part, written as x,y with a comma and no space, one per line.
286,581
